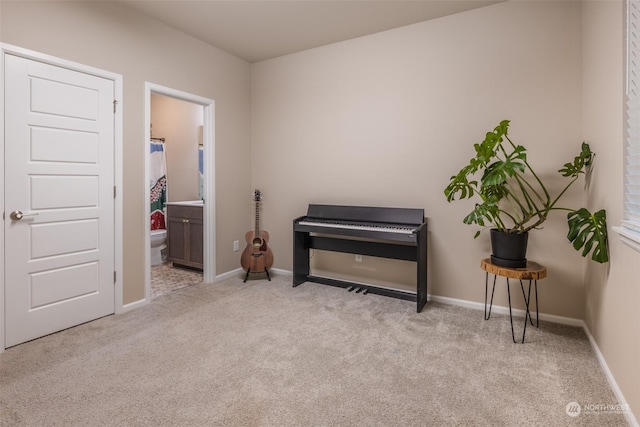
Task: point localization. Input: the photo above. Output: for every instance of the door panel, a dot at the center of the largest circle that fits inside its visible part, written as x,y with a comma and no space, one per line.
46,95
60,238
79,191
72,282
59,171
58,145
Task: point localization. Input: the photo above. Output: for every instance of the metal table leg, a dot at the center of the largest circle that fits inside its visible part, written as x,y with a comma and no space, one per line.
527,300
532,271
513,336
486,287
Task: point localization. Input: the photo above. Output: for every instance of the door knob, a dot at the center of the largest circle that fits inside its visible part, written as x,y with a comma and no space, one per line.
18,215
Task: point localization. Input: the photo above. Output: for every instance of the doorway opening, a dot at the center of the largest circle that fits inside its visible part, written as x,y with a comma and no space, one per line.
180,127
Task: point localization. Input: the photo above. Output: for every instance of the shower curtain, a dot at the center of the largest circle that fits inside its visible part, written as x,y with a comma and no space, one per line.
158,184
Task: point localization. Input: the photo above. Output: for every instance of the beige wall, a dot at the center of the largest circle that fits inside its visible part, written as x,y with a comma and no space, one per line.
386,119
109,36
177,122
612,292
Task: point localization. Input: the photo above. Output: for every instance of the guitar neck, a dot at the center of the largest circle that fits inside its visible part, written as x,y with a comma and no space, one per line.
257,227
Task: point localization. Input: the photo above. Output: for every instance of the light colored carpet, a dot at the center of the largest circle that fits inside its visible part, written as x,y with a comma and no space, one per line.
266,354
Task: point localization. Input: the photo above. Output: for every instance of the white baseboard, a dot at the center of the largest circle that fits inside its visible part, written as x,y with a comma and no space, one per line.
133,305
505,310
228,274
631,419
282,272
239,272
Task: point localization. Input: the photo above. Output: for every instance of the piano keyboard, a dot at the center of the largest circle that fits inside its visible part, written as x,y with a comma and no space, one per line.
348,226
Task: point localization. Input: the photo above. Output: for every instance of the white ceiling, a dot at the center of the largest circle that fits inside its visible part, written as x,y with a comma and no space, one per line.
256,30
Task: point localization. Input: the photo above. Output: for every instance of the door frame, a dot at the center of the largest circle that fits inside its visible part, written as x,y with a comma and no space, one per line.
208,142
7,49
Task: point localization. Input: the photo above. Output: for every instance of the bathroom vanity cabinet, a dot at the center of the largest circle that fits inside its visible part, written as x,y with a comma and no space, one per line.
185,235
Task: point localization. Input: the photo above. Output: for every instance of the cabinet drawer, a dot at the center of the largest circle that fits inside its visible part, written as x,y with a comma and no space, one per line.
191,212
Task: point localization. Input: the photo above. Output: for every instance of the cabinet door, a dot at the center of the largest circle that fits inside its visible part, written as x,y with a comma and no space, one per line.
176,240
195,242
185,236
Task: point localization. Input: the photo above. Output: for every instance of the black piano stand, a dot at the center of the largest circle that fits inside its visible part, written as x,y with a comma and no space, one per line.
246,276
303,241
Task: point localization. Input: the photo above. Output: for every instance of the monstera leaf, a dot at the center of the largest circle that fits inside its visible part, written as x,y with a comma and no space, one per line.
582,160
460,185
498,172
589,231
488,211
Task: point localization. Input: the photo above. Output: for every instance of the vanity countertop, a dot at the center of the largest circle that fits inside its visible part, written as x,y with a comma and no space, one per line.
187,203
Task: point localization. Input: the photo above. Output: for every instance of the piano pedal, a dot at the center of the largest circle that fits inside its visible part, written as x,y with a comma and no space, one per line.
358,290
366,291
350,288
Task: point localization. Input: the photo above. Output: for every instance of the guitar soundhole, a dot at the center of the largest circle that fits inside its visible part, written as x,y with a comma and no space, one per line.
257,242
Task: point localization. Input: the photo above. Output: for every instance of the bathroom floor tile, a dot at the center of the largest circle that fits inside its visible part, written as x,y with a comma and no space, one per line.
167,278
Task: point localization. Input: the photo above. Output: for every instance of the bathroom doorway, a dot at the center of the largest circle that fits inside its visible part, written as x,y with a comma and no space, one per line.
179,127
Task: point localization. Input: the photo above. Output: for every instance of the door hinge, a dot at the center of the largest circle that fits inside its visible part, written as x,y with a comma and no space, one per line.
114,191
114,106
114,277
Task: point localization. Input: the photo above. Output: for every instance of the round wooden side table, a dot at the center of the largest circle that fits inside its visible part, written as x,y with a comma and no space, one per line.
532,272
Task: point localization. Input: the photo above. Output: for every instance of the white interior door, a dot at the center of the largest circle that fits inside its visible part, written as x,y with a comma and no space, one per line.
59,173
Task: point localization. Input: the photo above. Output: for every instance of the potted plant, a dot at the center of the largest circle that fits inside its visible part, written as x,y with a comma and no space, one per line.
514,200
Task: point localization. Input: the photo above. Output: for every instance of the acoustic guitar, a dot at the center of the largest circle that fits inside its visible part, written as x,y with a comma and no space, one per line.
257,256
